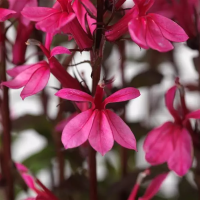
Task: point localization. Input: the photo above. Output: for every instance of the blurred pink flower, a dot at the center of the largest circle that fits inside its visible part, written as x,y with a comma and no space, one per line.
61,18
154,187
34,184
32,77
147,30
98,124
171,142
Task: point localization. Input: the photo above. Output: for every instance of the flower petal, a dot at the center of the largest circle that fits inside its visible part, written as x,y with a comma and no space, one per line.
181,159
22,78
121,132
158,145
17,70
155,39
154,186
122,95
170,30
59,50
6,14
38,13
101,138
74,95
77,130
37,82
137,30
193,115
169,100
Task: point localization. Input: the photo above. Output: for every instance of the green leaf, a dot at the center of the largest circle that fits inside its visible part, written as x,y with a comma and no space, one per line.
40,160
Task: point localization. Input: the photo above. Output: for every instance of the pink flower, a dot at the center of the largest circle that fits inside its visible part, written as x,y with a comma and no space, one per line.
98,125
42,192
60,18
172,142
154,187
35,77
32,77
148,30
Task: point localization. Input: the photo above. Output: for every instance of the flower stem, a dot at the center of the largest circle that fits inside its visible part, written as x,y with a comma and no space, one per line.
6,137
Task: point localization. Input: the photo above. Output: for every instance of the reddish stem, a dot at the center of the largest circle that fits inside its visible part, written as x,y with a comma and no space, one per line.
6,123
92,174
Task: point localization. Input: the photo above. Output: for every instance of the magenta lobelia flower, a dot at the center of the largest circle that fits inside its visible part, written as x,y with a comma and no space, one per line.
35,77
172,142
34,184
153,30
98,125
153,187
61,19
148,30
32,77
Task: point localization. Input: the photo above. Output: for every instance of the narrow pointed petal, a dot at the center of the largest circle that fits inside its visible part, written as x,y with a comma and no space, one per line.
60,126
74,95
17,70
80,13
21,168
193,115
48,40
6,14
155,39
38,13
59,50
154,186
101,138
121,132
76,132
22,78
37,82
181,159
170,30
55,22
29,180
122,95
169,101
158,145
137,29
121,27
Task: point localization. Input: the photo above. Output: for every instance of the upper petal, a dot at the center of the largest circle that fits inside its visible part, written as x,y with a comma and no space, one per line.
59,50
169,100
158,144
38,13
181,159
22,78
154,186
121,132
77,130
74,95
194,115
101,138
37,82
122,95
155,38
6,14
170,30
137,30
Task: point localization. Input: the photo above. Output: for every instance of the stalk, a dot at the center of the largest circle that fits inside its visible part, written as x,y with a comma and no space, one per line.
6,123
